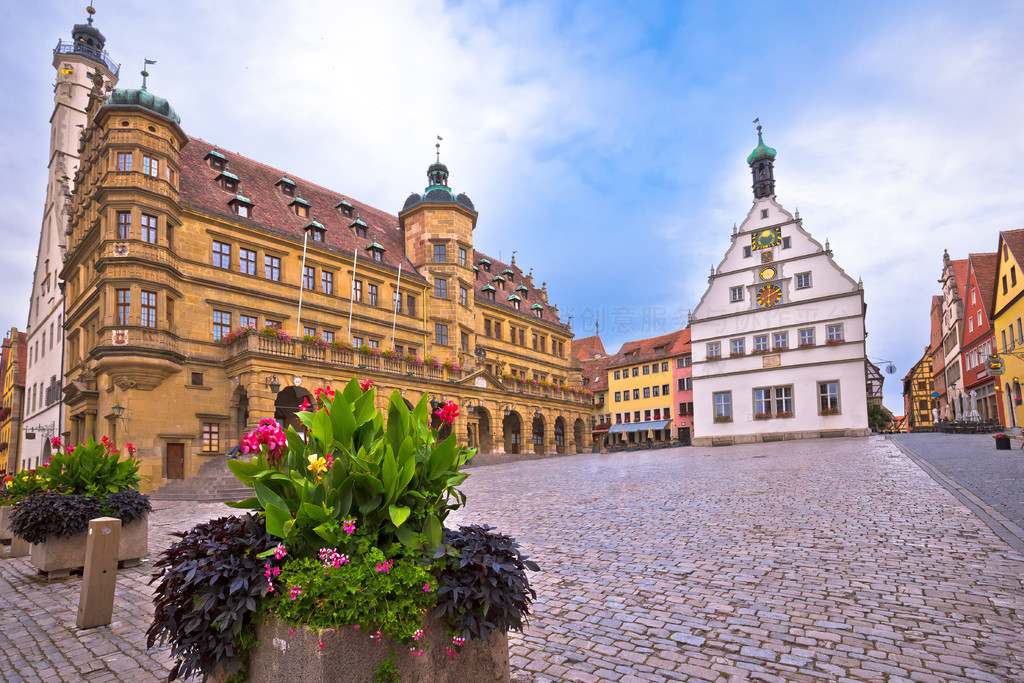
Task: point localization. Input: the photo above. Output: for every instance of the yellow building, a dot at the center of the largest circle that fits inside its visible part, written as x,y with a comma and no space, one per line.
1007,318
12,391
918,386
640,390
186,323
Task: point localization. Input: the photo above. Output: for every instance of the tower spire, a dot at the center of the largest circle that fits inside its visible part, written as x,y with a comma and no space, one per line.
145,74
438,146
762,162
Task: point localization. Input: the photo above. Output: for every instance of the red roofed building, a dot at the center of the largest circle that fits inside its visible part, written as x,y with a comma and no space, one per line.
206,291
954,286
979,344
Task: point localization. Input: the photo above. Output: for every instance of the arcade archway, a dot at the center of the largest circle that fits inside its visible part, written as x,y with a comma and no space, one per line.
512,427
560,435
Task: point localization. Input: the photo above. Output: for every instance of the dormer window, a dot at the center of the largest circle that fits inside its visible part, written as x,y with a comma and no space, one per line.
227,180
217,161
344,207
486,264
522,290
315,230
241,205
538,310
476,273
376,250
500,280
359,226
515,301
299,205
509,275
286,185
488,291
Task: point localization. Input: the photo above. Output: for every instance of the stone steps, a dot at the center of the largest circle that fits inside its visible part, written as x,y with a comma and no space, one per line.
214,482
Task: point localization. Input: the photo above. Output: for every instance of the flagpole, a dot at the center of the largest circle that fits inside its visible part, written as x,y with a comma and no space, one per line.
352,292
397,305
302,276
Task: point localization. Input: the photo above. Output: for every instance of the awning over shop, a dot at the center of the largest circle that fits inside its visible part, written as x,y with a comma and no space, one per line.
639,426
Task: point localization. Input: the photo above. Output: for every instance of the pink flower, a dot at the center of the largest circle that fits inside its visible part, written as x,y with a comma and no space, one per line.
426,588
331,558
349,526
366,385
291,632
386,566
295,592
131,449
55,443
320,645
415,652
417,635
304,408
280,552
268,438
448,412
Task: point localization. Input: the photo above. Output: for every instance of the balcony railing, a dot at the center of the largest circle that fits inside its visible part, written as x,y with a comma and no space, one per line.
100,56
256,343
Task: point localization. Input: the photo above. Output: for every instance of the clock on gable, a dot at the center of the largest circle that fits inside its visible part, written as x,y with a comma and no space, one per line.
767,273
766,239
769,295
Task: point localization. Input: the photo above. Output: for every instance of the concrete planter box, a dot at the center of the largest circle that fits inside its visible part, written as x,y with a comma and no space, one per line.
5,523
349,655
58,556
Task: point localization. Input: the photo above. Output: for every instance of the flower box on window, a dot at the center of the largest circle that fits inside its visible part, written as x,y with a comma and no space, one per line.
722,418
781,347
762,416
714,356
829,411
833,342
734,354
757,352
784,413
806,345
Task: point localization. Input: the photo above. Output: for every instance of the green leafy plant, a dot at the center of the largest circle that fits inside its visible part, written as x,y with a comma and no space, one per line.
23,484
210,584
92,468
382,597
483,582
396,480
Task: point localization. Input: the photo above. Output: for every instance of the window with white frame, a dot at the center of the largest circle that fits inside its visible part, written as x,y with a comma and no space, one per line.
735,294
714,350
803,280
736,347
722,400
780,340
806,336
828,398
834,333
760,342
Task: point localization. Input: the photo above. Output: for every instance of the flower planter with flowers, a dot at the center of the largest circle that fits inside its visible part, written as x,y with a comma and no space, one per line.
88,481
1002,442
16,488
762,416
834,342
719,419
345,571
828,411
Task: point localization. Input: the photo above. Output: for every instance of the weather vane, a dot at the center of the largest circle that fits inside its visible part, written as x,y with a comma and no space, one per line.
145,74
438,145
90,10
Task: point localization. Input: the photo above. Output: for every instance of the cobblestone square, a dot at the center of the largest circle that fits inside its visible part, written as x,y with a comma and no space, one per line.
796,561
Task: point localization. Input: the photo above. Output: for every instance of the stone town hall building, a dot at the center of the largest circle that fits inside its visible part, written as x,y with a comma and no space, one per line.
183,270
778,338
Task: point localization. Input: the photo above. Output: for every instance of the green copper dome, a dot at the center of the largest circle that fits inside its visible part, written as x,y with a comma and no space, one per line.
145,99
762,151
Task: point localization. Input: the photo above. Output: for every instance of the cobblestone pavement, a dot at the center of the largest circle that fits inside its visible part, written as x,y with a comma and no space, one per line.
971,460
798,561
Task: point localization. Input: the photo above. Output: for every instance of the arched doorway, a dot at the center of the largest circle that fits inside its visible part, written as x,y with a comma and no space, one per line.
287,404
538,433
512,427
483,429
577,434
559,435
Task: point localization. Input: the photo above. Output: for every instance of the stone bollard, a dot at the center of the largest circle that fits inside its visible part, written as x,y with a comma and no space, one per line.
96,603
19,547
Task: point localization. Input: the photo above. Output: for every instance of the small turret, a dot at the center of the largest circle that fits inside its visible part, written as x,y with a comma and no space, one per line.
762,161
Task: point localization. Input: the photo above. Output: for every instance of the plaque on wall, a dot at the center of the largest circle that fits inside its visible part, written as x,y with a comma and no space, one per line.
480,382
771,361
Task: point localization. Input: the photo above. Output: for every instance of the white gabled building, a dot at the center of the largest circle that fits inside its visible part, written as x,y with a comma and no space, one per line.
778,337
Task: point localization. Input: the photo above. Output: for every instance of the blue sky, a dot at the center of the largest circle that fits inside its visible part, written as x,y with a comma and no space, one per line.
604,142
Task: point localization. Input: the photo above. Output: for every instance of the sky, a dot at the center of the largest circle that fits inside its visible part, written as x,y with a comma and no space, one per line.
604,142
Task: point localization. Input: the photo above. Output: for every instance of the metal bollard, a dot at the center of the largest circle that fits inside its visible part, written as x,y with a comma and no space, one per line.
96,603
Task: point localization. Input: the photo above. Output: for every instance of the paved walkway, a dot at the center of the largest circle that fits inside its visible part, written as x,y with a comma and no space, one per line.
799,561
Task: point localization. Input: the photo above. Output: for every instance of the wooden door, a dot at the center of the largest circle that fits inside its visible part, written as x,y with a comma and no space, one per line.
175,461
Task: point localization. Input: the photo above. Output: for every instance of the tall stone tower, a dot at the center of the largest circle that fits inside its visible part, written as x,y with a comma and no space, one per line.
81,65
438,229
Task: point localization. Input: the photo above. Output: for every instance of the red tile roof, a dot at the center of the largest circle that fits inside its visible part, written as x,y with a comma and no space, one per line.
272,212
595,372
985,266
960,274
588,347
644,350
1014,239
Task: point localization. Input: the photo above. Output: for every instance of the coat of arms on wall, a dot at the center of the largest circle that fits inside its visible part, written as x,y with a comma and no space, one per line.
120,337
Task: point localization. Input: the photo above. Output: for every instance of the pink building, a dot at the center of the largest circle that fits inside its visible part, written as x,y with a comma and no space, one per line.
682,386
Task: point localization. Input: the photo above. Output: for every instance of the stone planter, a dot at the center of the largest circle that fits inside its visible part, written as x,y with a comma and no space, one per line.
349,655
58,556
1002,444
5,523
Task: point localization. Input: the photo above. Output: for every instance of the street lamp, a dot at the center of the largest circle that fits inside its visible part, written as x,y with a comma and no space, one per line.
273,385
